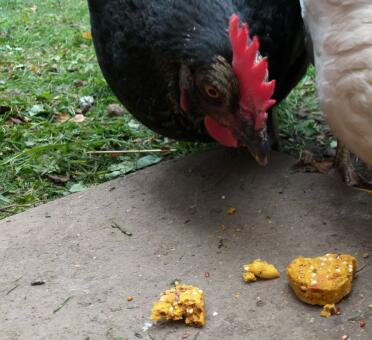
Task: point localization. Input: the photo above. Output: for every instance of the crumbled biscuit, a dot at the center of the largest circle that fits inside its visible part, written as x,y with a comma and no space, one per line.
181,302
259,269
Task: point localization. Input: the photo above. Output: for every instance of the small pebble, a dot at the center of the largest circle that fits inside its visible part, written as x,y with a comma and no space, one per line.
259,302
130,298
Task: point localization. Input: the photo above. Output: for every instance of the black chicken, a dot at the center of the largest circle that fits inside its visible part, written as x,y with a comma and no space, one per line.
187,70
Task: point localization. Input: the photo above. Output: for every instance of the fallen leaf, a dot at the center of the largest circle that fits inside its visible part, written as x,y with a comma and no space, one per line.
86,103
334,144
26,119
14,121
35,69
57,179
122,168
134,125
79,118
78,83
115,110
61,117
146,161
323,167
87,35
77,187
35,110
309,164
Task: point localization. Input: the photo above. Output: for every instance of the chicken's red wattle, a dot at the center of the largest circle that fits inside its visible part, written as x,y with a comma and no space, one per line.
219,133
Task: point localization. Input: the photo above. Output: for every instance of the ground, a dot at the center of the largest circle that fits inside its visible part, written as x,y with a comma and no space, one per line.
69,266
49,75
175,225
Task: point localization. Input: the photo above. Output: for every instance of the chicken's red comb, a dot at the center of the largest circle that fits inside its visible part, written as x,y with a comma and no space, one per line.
255,91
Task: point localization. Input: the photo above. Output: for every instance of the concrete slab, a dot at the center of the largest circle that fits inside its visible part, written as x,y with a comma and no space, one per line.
175,211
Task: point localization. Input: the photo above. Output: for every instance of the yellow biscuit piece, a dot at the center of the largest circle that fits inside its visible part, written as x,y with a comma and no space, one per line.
328,310
181,302
322,280
260,269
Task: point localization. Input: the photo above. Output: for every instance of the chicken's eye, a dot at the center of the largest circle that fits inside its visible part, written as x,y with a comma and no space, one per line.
212,92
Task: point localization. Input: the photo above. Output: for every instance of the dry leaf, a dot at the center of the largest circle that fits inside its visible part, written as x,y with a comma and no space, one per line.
14,121
115,110
61,117
87,35
309,164
59,179
78,83
35,69
79,118
323,167
26,119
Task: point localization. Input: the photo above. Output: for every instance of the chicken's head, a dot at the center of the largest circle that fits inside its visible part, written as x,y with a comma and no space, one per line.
233,97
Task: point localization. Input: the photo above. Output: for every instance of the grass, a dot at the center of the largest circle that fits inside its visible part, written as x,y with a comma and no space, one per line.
47,70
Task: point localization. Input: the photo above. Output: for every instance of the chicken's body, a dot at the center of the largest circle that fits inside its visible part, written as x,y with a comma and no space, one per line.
341,33
141,46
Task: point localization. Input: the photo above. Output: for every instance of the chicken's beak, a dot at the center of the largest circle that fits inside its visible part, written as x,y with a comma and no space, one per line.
242,135
258,144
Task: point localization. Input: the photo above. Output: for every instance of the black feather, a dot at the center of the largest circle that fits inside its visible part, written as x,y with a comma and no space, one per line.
141,44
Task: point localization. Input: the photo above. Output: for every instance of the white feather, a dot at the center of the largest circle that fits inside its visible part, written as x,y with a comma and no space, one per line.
341,31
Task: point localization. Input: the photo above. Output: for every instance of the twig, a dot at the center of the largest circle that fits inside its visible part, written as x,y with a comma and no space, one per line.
14,206
123,152
16,280
125,232
14,288
64,303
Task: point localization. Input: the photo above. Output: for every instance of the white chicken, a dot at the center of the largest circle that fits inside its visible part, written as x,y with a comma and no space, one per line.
341,35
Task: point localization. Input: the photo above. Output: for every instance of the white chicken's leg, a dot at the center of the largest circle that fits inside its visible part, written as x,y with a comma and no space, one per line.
347,171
